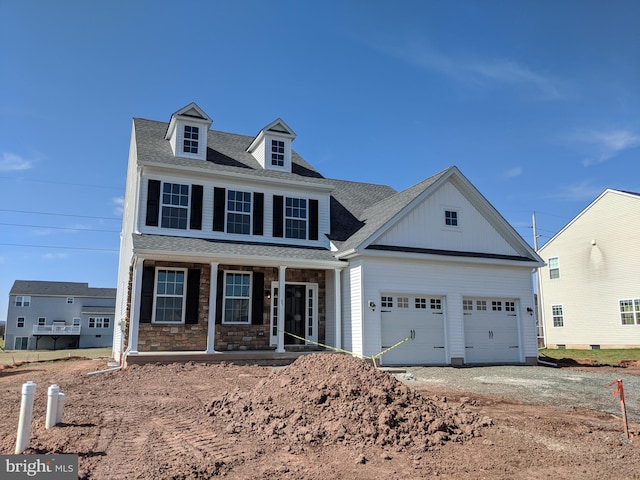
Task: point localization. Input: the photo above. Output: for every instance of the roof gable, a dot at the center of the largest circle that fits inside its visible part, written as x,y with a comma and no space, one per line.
413,220
630,198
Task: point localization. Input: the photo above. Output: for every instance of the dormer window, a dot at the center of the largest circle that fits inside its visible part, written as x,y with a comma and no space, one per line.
277,153
191,137
272,146
187,132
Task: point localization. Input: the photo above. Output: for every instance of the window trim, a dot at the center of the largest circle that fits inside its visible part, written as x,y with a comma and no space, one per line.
25,301
280,154
554,269
192,143
634,312
99,322
228,211
249,297
19,321
451,218
42,321
287,218
186,207
155,296
555,315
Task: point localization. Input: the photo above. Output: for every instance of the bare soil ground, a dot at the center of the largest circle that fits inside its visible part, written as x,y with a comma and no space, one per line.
324,416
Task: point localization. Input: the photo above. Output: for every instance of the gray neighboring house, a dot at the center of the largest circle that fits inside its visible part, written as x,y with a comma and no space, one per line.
59,315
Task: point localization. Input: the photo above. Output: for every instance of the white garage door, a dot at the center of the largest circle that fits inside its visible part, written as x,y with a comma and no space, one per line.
410,315
491,331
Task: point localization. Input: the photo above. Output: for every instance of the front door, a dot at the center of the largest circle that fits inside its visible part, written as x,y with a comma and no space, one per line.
294,318
300,313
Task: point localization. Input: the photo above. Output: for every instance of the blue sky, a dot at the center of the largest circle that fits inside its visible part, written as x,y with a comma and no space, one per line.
537,102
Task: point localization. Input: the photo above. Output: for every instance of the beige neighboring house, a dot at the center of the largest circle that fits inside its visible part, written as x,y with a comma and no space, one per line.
590,285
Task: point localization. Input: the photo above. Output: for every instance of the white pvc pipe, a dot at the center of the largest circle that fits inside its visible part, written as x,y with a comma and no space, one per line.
26,414
114,369
60,411
52,406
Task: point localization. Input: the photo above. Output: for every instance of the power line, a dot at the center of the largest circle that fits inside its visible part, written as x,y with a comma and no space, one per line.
22,179
58,247
60,228
59,214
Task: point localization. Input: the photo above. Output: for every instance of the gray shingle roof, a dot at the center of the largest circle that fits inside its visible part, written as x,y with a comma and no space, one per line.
61,289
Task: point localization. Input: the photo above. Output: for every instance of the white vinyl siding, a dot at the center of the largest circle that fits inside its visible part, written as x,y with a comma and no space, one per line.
324,227
472,234
450,282
599,267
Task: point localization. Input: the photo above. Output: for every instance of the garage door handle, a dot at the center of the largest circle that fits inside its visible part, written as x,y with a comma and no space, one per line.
468,347
514,346
439,347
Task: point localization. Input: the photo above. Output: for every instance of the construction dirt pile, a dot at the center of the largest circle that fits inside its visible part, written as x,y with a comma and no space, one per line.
325,416
332,398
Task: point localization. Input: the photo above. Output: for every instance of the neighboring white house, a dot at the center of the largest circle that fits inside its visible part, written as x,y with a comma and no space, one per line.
59,315
589,289
232,242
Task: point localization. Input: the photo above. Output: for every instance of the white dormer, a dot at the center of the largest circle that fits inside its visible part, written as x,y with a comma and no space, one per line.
272,146
187,132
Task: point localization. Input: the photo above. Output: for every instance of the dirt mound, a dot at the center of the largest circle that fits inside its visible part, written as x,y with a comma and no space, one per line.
332,398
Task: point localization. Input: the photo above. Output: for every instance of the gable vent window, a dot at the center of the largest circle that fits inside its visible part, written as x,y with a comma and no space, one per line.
451,218
191,137
175,203
239,212
296,218
277,153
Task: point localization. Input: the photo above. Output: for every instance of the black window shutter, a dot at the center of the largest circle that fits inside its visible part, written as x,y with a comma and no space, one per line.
146,298
219,201
219,293
257,299
196,207
278,205
153,203
193,296
258,213
313,219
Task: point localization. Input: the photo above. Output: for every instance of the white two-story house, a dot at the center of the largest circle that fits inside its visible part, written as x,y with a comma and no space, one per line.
58,315
589,288
232,242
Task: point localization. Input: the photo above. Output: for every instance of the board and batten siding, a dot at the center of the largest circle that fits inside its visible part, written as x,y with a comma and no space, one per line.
599,265
207,232
452,281
424,226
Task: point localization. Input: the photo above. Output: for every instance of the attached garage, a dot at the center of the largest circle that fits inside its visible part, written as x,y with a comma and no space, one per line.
491,331
420,317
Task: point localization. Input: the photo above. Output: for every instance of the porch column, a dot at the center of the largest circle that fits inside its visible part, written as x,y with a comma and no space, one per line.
211,327
134,312
281,300
338,309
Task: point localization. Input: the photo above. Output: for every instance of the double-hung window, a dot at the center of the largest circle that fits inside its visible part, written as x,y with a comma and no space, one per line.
554,268
42,321
630,311
191,139
238,212
175,205
296,218
20,322
170,296
277,153
558,316
237,297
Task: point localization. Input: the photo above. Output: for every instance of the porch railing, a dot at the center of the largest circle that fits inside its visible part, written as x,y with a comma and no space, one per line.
56,329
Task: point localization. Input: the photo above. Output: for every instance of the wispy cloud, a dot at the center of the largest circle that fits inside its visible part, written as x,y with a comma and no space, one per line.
604,145
584,191
514,172
55,256
119,205
479,71
12,162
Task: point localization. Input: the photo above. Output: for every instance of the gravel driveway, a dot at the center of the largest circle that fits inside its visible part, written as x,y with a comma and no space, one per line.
557,387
